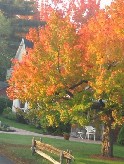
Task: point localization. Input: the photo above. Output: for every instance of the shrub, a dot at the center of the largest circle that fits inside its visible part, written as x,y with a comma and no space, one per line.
33,118
4,103
7,113
9,102
5,127
20,116
59,130
120,139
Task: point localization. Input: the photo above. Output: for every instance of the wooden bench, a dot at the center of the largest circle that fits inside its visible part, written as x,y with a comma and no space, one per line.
44,150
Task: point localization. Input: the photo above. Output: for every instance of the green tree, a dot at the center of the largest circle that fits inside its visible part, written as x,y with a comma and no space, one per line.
21,16
5,56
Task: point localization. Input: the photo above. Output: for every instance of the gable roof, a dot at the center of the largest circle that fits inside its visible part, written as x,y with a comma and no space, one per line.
20,52
22,48
28,44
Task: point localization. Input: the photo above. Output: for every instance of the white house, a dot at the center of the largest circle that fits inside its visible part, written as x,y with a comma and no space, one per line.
22,50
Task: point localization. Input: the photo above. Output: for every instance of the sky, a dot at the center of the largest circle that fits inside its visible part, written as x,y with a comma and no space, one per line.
105,2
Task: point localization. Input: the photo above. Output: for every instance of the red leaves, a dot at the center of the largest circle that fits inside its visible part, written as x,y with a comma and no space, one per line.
78,10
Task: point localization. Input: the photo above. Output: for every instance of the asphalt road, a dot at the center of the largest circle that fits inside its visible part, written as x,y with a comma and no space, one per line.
4,160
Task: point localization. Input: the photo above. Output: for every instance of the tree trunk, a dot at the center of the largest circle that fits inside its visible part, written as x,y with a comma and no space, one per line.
107,141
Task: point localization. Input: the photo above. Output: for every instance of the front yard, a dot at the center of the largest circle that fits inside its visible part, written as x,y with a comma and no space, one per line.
18,148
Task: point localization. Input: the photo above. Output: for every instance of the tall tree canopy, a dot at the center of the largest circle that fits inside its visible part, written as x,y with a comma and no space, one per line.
22,15
5,31
71,69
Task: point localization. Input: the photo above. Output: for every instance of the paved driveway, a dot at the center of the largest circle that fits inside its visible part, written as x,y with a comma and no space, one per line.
24,132
4,160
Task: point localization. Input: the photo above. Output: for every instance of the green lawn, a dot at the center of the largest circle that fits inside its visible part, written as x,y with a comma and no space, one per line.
19,146
19,125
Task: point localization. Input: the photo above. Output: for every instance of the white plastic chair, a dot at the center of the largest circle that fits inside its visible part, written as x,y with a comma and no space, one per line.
90,131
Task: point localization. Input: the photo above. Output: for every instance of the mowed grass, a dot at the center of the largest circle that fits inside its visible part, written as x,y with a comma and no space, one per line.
19,125
20,146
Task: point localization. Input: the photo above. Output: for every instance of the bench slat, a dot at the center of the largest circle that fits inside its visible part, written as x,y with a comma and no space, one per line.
38,147
47,157
51,149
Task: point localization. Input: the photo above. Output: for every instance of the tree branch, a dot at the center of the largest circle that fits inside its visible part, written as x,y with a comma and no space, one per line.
79,83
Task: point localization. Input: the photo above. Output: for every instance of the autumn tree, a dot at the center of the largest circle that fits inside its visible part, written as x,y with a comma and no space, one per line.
52,68
105,51
68,70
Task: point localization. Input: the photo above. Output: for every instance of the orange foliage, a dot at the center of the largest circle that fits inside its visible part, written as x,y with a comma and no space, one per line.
63,55
51,65
78,10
